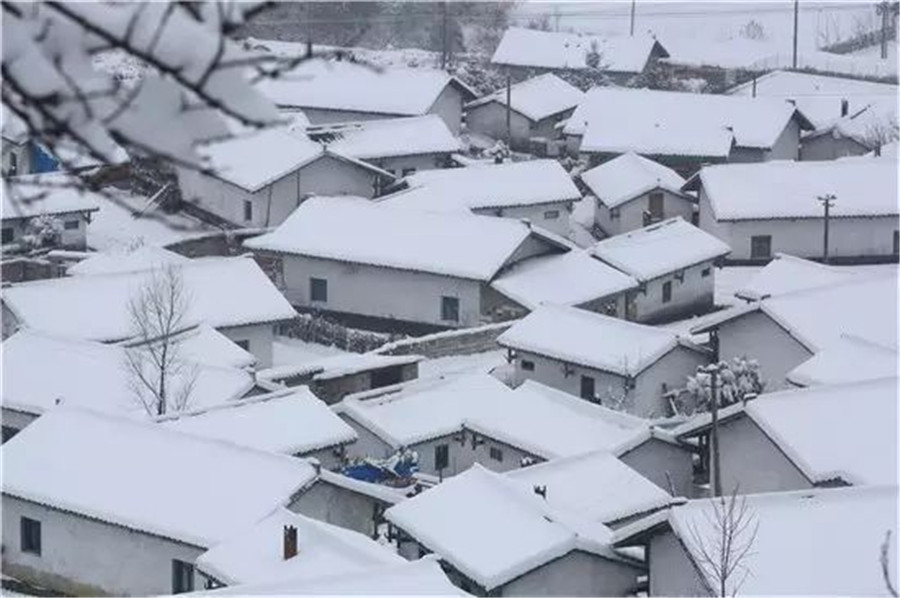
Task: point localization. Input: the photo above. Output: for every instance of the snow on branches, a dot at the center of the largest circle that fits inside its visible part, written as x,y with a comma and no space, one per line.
737,380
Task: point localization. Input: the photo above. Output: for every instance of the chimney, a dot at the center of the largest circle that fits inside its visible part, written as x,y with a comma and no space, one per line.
845,107
316,464
290,542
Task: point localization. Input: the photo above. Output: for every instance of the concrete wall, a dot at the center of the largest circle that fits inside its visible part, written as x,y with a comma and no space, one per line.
538,214
368,444
490,119
752,463
381,292
451,342
334,389
694,294
449,106
672,573
260,336
829,147
577,573
631,214
88,557
667,373
756,336
663,463
338,506
787,146
551,372
397,165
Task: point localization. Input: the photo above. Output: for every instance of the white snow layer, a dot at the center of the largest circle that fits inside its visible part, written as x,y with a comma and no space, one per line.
387,138
536,98
117,261
629,176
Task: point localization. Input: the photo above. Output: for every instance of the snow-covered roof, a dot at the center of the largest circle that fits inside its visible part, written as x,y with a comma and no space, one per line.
787,273
461,245
386,138
338,366
40,369
291,422
349,86
490,528
423,577
45,194
810,542
819,96
629,176
846,431
559,50
660,249
205,344
788,189
222,292
590,339
676,123
597,485
487,186
13,128
848,359
570,278
145,477
864,126
255,555
145,257
536,98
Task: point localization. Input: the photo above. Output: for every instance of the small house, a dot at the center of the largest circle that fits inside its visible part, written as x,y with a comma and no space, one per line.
46,211
232,295
329,91
536,106
257,179
674,263
128,506
828,527
632,192
538,190
777,207
495,537
376,265
684,130
399,146
601,359
291,422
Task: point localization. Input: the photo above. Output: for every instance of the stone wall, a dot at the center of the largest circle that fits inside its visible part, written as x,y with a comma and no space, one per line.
451,342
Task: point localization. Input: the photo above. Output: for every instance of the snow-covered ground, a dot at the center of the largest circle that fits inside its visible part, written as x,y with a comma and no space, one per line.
293,351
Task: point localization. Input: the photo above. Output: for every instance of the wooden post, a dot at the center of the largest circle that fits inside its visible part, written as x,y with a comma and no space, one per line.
715,468
827,202
754,86
796,21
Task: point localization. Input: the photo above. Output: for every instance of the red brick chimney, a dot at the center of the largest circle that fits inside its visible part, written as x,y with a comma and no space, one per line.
290,542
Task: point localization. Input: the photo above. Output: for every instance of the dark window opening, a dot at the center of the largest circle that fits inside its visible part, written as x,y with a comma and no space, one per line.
656,206
8,433
441,456
761,246
31,535
408,171
8,234
450,309
318,289
496,454
13,164
551,214
385,377
182,577
71,225
896,242
245,345
248,211
706,272
527,366
667,291
587,388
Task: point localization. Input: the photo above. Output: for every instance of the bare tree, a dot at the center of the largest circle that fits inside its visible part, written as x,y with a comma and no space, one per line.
886,564
881,132
724,542
160,379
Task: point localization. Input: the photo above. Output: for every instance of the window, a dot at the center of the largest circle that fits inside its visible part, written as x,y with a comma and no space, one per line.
705,272
551,214
386,377
248,210
182,577
8,234
71,225
667,291
761,246
245,345
527,366
896,242
613,213
318,289
13,164
31,535
655,206
450,309
441,456
587,388
496,454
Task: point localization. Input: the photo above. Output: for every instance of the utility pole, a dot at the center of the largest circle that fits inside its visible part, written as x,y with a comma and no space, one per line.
754,86
443,35
796,22
715,470
827,202
632,17
886,9
508,109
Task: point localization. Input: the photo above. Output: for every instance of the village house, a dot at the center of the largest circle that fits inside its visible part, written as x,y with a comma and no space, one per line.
783,331
632,192
129,505
381,266
597,485
45,211
683,130
341,91
232,295
831,435
285,546
621,57
537,105
855,134
498,538
763,209
257,179
292,422
574,279
538,190
400,146
786,274
41,371
833,562
601,359
848,359
674,264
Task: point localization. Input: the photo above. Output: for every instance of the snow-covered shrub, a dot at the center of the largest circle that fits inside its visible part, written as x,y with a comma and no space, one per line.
737,380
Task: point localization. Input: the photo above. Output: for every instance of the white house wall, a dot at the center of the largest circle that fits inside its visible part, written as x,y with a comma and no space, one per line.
631,213
692,295
75,238
537,214
672,573
490,119
81,556
551,373
667,373
787,146
398,165
577,573
338,506
449,106
260,338
668,466
829,147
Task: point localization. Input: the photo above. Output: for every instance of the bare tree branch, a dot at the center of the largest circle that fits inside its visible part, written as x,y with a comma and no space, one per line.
886,565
